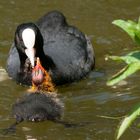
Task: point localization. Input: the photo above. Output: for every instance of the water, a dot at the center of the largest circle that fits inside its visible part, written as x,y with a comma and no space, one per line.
89,99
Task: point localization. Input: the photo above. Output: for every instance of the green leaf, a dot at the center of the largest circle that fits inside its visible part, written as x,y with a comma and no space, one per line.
129,58
125,72
137,38
131,27
133,61
128,26
128,121
116,58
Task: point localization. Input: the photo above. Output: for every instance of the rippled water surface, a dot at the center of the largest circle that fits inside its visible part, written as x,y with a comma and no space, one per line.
90,99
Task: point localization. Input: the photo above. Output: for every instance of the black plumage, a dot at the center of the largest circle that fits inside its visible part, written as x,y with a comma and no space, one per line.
38,107
63,50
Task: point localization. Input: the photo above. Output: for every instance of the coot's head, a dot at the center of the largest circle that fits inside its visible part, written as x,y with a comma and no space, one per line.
27,39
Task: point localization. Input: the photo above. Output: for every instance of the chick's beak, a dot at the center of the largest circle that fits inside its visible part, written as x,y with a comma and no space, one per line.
30,52
37,73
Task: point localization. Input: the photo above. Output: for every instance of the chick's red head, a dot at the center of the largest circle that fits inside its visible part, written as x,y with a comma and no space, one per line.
38,73
41,79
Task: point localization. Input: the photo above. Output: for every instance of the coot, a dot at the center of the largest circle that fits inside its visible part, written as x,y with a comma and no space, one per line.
64,51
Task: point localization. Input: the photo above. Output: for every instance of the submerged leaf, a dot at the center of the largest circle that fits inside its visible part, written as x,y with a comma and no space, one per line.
128,121
125,72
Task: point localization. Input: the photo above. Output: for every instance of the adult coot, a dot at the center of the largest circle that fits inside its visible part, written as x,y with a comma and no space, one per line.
63,50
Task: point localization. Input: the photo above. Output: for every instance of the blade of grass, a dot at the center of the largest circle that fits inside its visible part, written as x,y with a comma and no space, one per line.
128,121
125,72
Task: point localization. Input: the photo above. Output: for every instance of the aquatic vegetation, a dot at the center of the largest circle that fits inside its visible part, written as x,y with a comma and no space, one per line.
133,64
127,121
132,59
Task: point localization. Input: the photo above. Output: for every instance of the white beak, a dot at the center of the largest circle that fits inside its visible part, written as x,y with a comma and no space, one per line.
30,52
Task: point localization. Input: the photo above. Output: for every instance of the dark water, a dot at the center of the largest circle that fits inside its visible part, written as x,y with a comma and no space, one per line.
89,99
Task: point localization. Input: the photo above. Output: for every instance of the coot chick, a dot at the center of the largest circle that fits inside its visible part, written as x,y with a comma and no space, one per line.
41,102
64,51
38,106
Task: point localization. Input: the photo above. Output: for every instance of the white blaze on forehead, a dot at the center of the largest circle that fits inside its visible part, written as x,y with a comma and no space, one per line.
28,36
